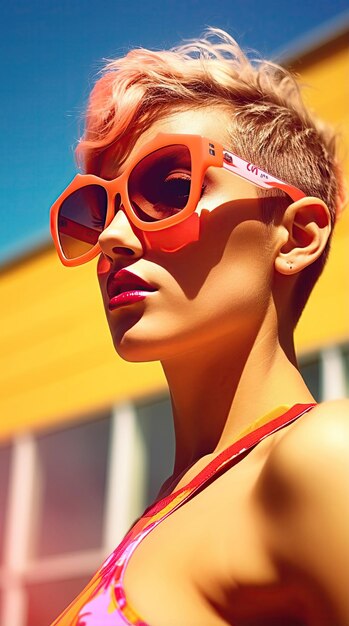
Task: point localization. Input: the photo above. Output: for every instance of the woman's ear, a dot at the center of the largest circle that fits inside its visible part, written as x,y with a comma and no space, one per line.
305,229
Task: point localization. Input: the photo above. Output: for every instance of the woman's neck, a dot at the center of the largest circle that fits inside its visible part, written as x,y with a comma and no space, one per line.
219,390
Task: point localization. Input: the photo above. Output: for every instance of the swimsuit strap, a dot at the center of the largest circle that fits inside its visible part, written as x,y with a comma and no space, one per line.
111,574
242,446
162,509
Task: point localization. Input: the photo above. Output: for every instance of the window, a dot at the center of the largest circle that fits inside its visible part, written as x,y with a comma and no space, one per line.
156,427
56,519
5,458
346,368
71,466
327,373
311,372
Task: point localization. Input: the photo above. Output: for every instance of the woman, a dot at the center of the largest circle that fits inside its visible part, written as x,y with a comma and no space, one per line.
209,194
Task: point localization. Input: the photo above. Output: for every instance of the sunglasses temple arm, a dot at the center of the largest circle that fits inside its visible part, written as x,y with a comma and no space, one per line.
258,177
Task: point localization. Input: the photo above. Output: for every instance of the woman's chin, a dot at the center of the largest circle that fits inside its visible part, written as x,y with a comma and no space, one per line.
140,338
139,344
133,352
133,345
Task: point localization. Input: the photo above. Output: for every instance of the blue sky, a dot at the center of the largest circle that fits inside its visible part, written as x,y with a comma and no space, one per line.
51,52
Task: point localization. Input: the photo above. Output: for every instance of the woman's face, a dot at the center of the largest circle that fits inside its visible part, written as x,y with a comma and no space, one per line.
211,288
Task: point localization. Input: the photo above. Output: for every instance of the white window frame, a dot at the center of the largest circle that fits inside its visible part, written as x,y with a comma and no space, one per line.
332,373
123,494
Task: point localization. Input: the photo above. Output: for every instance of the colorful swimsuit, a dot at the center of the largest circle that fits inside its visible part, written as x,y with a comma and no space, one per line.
103,601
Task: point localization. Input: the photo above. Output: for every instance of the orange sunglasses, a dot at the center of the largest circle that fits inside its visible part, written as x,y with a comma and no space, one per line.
160,188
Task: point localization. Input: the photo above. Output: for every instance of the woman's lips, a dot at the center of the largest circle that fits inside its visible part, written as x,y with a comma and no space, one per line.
127,297
124,288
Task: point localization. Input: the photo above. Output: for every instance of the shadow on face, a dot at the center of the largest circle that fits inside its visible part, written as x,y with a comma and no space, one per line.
226,230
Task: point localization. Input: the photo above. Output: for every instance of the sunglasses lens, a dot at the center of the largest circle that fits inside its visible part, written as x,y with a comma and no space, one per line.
81,220
159,185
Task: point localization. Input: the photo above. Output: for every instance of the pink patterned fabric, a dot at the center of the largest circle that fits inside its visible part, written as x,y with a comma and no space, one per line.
103,601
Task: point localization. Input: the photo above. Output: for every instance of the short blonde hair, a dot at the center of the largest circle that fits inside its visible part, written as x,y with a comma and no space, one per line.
270,124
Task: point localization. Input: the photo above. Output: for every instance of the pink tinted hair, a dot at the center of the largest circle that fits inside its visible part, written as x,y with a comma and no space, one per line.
270,124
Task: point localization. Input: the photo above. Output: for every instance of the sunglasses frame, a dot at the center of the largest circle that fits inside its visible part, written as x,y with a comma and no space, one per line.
204,153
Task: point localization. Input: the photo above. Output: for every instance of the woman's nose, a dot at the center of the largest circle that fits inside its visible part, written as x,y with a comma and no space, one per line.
119,238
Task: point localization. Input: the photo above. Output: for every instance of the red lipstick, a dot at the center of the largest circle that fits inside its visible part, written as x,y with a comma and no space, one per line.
124,288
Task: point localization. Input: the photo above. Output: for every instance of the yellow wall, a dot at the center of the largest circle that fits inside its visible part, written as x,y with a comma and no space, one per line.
326,317
57,361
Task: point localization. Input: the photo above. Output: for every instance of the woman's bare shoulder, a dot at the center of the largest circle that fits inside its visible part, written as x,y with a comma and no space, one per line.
316,441
312,452
304,493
